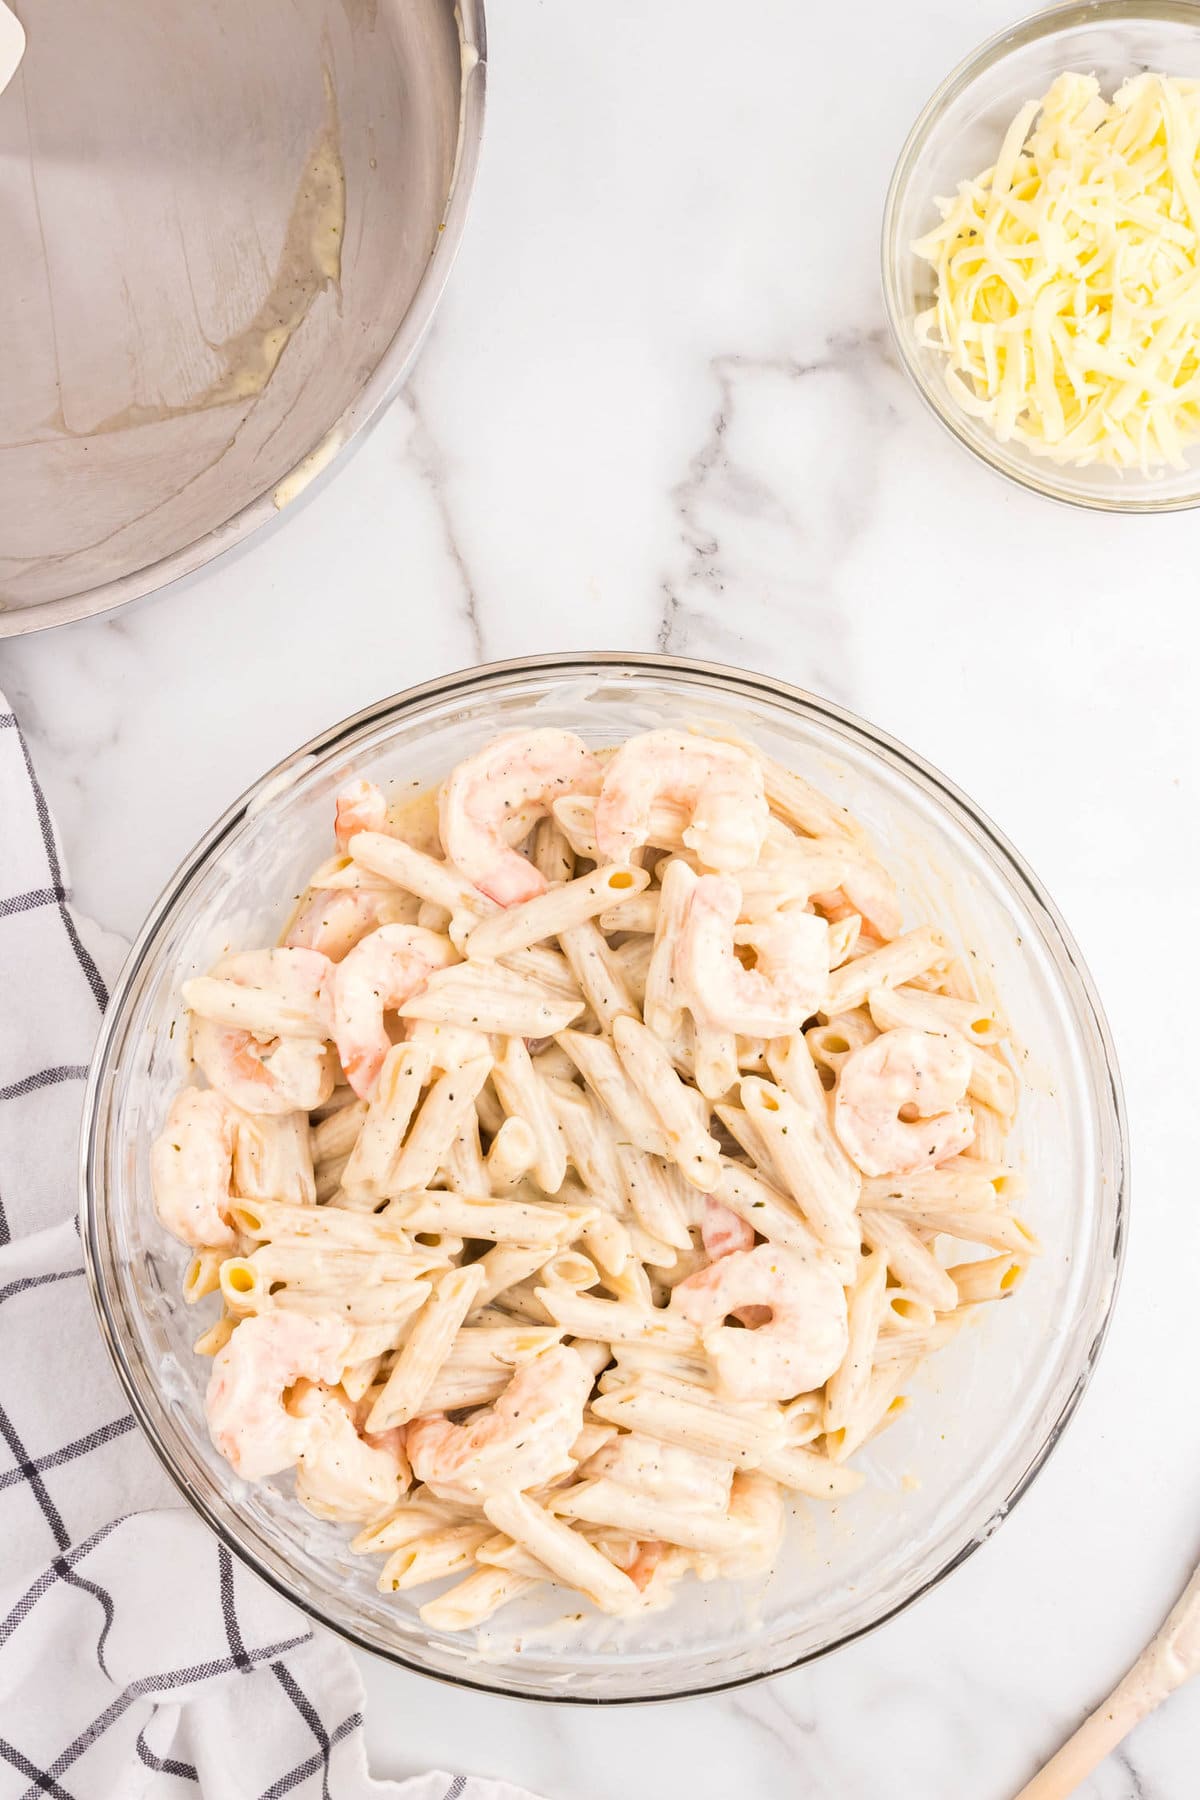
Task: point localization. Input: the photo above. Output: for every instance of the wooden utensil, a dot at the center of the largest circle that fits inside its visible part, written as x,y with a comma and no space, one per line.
1164,1665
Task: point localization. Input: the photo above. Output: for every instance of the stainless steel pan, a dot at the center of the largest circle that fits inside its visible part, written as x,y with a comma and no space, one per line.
225,229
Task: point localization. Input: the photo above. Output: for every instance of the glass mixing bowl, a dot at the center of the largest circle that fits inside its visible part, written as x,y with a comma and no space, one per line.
956,136
987,1410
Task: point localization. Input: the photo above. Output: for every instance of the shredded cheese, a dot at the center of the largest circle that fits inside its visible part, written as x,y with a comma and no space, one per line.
1068,277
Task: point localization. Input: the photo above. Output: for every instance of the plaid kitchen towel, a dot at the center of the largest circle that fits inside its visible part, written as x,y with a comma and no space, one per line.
136,1657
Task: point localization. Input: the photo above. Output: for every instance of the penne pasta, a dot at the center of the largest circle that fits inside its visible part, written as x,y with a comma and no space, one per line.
637,914
374,1160
696,1425
992,1082
680,1114
277,1222
492,998
431,1557
261,1011
895,1007
792,1068
798,803
958,1186
890,966
500,1552
463,1165
537,1276
426,1348
603,1502
452,1388
764,1208
881,1406
405,867
992,1278
511,1156
475,1599
203,1276
564,1552
589,1140
336,1135
715,1059
845,1391
409,1521
601,1068
210,1342
906,1256
523,1094
507,1265
653,1197
575,816
391,1302
551,913
997,1228
990,1132
823,1194
661,1007
804,1472
500,1221
599,971
448,1104
613,1321
552,856
272,1159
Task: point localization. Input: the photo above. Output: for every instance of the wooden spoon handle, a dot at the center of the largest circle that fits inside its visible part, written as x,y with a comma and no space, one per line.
1164,1665
1100,1734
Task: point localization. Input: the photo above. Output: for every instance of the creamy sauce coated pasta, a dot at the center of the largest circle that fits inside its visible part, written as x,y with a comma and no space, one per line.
575,1178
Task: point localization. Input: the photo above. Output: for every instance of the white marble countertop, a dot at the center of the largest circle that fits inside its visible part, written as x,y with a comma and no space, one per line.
659,410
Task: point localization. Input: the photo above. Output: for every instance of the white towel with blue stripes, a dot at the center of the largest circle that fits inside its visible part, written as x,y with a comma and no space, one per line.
138,1660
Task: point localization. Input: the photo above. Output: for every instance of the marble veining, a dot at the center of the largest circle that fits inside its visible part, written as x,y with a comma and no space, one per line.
658,410
765,463
428,460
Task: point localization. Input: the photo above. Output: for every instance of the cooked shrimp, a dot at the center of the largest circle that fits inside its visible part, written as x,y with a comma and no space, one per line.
904,1072
722,1231
289,1075
259,1029
191,1168
519,772
649,1557
790,975
333,920
872,893
523,1441
282,992
801,1344
865,888
360,806
757,1503
664,1471
272,1159
341,1473
718,787
383,971
267,1353
391,1440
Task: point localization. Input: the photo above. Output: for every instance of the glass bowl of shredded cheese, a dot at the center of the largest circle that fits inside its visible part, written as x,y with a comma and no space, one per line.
1041,254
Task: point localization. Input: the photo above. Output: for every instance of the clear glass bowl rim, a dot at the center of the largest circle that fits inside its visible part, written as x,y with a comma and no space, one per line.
1058,17
473,682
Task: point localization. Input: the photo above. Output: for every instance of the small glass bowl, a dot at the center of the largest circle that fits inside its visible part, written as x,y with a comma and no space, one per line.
959,133
986,1410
